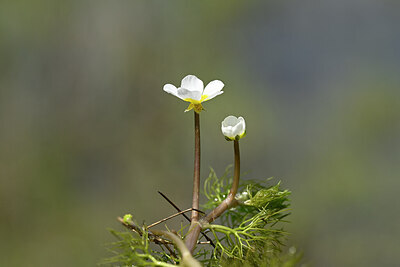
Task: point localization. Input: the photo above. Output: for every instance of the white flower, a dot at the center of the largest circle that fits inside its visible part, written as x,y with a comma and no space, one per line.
233,128
192,90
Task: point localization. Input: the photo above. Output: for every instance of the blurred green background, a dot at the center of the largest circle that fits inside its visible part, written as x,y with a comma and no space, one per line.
87,134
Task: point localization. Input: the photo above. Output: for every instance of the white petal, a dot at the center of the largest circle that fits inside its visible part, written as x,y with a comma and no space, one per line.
229,131
192,83
226,130
187,94
212,96
230,121
213,89
241,120
171,89
238,129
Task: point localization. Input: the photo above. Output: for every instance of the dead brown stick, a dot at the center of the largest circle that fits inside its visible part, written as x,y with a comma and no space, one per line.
187,218
136,229
152,237
170,217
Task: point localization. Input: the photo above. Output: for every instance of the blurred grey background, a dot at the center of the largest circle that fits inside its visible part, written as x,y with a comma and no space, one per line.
87,134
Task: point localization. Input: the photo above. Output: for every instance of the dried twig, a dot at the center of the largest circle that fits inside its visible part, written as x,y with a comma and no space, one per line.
152,237
170,217
187,218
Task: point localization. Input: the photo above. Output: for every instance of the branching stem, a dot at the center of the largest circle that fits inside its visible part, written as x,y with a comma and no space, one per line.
228,203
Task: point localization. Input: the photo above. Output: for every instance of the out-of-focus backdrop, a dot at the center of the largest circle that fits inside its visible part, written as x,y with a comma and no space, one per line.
87,134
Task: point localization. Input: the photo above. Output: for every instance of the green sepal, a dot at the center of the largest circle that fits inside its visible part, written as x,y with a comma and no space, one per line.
227,138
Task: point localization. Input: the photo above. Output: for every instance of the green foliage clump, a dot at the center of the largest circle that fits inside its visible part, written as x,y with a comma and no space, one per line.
249,234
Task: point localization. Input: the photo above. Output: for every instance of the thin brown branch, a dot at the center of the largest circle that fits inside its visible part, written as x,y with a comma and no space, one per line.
170,217
187,218
152,237
130,226
173,205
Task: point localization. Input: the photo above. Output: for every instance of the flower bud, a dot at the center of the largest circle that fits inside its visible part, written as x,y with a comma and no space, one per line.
233,128
127,218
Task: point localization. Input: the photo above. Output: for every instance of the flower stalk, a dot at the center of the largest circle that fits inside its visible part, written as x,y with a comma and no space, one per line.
196,174
196,182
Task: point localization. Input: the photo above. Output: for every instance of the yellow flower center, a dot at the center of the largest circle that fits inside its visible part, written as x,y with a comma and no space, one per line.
195,104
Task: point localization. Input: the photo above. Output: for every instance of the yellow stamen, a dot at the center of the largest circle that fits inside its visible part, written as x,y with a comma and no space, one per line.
197,107
190,107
